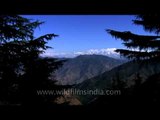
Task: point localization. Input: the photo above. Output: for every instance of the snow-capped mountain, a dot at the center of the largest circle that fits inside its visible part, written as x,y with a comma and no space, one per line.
107,52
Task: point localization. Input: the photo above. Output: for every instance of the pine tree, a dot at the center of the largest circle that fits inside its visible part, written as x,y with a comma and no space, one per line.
22,70
141,47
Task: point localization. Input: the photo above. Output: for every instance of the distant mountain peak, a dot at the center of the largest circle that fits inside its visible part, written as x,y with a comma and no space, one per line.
106,52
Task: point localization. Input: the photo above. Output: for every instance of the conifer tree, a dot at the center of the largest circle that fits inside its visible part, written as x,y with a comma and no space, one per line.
141,47
22,70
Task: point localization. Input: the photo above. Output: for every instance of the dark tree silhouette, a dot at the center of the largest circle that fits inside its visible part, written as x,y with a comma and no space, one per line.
141,47
144,49
22,70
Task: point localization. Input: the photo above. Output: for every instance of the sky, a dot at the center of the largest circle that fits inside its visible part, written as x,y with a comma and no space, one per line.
84,33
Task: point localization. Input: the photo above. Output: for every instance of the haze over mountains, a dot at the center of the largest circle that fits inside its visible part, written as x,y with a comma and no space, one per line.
83,67
110,52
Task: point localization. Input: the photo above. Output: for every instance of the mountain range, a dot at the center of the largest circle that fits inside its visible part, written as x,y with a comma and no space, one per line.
90,72
110,52
126,72
83,67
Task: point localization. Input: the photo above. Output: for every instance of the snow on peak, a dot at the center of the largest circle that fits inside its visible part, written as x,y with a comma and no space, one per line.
107,52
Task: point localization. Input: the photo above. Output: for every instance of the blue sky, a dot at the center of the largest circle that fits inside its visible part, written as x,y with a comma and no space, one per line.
84,32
